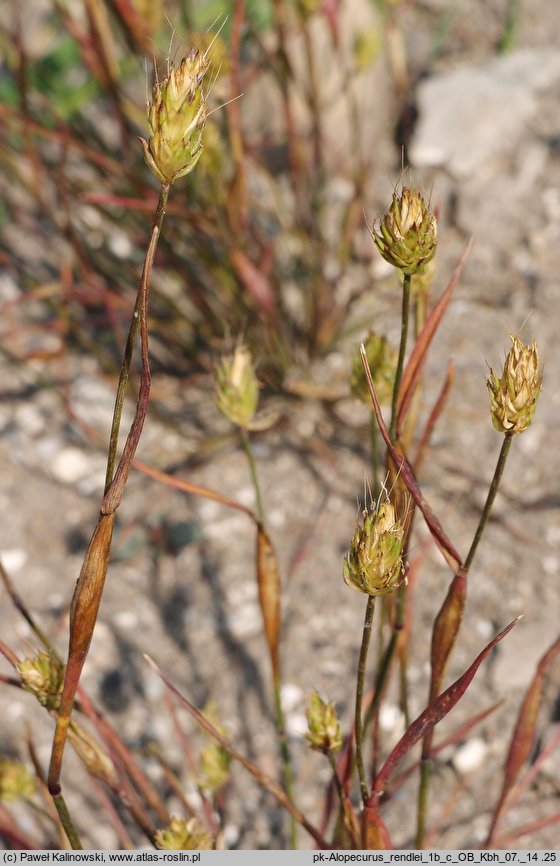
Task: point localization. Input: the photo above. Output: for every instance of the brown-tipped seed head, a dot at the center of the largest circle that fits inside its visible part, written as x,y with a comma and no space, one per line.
237,387
15,781
374,562
382,360
43,676
181,835
324,733
176,117
407,236
513,398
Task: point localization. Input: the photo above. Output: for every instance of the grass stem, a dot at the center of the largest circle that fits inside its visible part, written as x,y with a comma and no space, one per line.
358,726
402,352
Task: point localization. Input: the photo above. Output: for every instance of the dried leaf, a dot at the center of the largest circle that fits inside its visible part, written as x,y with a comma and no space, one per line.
268,579
419,353
257,285
189,487
375,836
434,713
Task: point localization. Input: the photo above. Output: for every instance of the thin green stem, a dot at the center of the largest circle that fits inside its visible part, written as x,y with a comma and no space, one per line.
386,659
285,756
254,477
425,777
498,472
339,789
67,823
388,656
402,351
358,726
426,764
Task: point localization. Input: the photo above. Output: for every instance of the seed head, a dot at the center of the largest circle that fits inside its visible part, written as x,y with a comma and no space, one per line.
237,387
176,117
43,676
15,781
407,236
181,835
92,754
513,398
214,767
382,360
374,562
324,733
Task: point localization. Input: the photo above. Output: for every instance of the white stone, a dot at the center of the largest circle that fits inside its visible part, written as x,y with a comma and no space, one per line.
391,718
125,619
550,565
9,291
13,559
230,835
296,724
469,756
120,245
29,418
472,114
70,465
292,696
246,621
552,536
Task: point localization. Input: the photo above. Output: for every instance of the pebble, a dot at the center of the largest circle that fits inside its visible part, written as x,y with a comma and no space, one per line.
391,718
550,565
29,419
552,536
473,114
9,290
246,621
119,244
296,724
292,696
13,559
125,619
469,756
230,835
70,465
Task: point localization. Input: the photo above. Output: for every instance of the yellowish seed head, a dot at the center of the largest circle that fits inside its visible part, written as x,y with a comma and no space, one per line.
407,235
15,781
181,835
513,397
324,733
43,676
176,117
374,562
237,387
213,767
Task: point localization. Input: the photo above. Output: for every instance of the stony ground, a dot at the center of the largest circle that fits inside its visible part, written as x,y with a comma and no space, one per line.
181,584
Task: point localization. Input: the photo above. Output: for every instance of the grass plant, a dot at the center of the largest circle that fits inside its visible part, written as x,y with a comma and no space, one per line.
252,242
